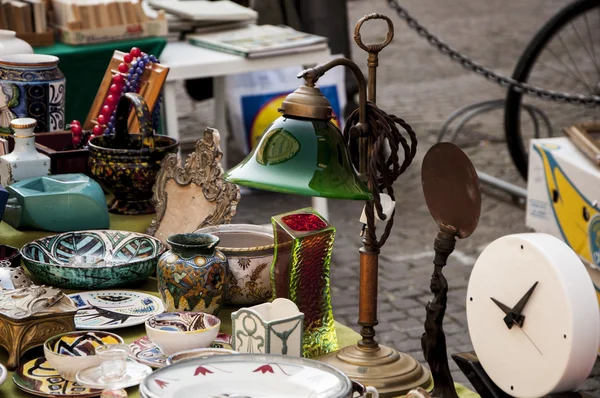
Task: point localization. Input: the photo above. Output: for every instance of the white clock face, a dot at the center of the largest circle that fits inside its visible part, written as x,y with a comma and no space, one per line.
553,347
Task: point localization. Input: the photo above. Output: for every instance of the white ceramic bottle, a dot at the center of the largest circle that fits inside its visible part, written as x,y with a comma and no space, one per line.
24,161
11,44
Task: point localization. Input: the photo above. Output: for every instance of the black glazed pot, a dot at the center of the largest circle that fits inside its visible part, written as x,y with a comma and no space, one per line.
126,164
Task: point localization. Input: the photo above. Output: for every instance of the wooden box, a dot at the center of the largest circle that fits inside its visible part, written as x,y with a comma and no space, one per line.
61,161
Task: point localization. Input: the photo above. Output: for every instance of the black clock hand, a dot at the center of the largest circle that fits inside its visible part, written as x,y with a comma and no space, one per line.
521,304
505,308
510,319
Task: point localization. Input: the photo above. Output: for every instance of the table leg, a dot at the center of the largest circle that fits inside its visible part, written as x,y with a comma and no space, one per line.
220,115
170,110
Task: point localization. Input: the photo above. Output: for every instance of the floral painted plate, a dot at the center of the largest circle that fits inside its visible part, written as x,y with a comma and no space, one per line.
113,309
145,351
265,376
37,377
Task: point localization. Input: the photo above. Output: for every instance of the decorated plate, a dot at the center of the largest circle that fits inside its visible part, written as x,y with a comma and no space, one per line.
145,351
113,309
3,374
265,376
37,377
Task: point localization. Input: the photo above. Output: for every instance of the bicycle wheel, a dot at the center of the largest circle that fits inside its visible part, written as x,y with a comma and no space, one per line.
564,56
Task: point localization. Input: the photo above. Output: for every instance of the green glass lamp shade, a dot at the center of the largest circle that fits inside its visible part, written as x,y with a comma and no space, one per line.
301,157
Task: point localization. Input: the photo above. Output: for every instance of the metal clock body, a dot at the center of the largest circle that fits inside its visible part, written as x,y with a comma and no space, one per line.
533,315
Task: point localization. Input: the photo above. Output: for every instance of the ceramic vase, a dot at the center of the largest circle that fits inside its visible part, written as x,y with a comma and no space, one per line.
192,274
300,272
24,161
269,328
11,44
249,251
31,85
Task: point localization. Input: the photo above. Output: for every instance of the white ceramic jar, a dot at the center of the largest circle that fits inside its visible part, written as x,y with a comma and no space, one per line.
11,44
24,161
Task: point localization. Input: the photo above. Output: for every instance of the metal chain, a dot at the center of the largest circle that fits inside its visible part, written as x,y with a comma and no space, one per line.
503,81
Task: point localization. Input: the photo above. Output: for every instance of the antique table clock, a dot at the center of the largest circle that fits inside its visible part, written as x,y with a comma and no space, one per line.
533,315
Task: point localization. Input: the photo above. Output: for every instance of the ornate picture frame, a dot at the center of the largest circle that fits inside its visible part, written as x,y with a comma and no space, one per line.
193,196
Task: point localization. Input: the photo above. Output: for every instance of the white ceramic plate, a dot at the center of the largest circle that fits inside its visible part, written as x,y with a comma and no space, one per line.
113,309
3,374
247,375
92,377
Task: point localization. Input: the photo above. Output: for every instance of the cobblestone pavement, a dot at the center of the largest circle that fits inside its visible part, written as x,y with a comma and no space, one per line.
424,87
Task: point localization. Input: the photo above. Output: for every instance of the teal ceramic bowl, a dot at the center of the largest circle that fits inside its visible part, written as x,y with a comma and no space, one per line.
92,259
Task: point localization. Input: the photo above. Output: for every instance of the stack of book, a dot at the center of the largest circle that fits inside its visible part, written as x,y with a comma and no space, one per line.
201,16
77,15
24,16
256,41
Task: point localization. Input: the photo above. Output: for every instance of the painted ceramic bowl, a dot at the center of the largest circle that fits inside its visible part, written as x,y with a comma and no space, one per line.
97,259
268,376
68,353
249,250
126,164
174,332
198,353
9,256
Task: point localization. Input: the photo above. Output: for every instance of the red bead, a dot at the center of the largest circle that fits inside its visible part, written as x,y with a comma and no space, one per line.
135,52
75,123
127,58
101,119
304,222
76,129
107,110
110,100
123,68
76,140
115,89
90,137
97,130
118,79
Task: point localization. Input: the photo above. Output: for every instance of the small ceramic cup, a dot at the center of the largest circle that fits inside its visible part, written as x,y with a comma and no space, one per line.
68,353
174,332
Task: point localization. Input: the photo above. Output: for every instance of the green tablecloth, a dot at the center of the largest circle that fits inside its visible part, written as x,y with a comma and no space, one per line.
13,237
85,65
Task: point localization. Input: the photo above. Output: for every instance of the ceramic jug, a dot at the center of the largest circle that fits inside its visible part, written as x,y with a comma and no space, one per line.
192,274
31,85
24,161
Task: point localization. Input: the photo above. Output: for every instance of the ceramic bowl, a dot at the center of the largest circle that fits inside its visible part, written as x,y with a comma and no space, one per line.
68,353
250,375
249,250
9,256
198,353
98,259
174,332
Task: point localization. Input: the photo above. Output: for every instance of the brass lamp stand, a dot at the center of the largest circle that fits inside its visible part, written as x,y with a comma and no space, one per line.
368,362
302,152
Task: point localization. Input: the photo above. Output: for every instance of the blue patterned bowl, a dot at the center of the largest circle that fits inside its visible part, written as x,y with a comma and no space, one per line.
92,259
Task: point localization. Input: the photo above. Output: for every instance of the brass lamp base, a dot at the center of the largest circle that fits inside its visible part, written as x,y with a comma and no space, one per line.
390,372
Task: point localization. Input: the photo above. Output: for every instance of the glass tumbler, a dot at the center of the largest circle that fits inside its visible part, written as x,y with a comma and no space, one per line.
114,361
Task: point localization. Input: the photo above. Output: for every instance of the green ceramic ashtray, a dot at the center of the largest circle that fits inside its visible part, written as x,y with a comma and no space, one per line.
92,259
60,203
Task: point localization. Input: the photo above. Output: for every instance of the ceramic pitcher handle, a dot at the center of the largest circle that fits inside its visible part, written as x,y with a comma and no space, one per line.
365,392
143,116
